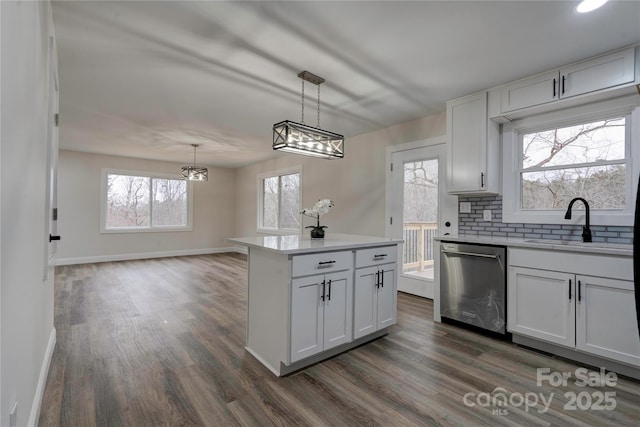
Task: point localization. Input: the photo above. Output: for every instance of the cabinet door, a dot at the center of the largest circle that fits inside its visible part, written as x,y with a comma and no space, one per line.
365,307
606,71
530,92
540,304
606,322
306,317
386,296
467,131
338,309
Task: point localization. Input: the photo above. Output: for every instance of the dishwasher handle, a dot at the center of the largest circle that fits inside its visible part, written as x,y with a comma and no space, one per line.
475,254
472,254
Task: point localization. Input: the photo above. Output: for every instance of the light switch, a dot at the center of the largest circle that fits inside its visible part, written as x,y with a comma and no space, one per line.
465,207
486,214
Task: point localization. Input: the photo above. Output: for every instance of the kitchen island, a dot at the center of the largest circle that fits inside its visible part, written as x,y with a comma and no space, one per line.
312,299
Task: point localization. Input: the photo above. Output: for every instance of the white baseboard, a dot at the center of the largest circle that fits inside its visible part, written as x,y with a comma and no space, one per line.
42,380
241,249
147,255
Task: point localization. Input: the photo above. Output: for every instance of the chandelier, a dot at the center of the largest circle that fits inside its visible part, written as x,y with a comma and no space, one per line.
300,138
195,173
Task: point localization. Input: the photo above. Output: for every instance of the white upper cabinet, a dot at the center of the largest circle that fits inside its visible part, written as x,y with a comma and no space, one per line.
600,73
473,149
597,75
530,92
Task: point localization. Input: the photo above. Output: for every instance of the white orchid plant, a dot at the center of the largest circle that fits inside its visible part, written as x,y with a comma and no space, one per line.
321,207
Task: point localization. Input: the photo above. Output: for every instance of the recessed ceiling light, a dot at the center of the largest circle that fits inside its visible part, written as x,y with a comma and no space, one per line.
589,5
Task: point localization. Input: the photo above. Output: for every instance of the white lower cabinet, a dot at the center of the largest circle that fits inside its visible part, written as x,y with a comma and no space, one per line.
321,313
540,304
590,314
605,319
375,299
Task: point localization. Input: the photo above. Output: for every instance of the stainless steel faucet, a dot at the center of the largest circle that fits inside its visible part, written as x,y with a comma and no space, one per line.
586,231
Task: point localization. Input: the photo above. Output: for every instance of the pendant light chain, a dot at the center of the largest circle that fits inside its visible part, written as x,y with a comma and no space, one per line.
318,126
302,101
194,153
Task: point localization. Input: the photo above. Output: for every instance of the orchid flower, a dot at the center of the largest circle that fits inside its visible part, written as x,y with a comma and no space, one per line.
320,208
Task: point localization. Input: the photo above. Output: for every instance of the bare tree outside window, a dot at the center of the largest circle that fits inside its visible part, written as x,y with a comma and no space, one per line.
270,197
127,201
420,215
281,201
290,201
169,202
421,191
145,202
586,160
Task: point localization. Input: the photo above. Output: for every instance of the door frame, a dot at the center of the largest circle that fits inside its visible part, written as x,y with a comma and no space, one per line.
51,180
442,204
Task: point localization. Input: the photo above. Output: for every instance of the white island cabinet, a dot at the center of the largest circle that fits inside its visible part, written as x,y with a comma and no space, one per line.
375,290
303,295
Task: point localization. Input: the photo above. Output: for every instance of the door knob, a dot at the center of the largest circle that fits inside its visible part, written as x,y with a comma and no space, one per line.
447,224
52,238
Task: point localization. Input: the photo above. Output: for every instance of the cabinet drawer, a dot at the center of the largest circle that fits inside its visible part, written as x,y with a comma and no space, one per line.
375,256
304,265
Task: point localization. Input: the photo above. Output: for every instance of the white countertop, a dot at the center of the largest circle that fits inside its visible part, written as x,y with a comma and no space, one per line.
553,245
296,244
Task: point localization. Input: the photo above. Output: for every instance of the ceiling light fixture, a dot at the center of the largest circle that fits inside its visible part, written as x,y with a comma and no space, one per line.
589,5
195,173
300,138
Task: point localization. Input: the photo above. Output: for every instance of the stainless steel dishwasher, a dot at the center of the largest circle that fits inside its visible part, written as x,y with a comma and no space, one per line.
473,285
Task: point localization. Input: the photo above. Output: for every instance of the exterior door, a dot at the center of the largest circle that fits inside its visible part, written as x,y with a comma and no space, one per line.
419,209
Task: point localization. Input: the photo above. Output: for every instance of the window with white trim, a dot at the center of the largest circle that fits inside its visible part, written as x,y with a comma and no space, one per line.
138,201
585,152
279,201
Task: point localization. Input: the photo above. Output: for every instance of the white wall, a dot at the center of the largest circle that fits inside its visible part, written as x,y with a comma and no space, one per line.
79,176
26,302
356,183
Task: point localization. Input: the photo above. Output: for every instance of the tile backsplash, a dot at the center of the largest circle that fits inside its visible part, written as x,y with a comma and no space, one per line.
473,224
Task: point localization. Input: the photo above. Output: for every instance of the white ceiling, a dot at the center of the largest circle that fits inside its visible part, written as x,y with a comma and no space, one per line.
147,79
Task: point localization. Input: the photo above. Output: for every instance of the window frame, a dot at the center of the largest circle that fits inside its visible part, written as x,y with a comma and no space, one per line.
151,228
512,211
260,228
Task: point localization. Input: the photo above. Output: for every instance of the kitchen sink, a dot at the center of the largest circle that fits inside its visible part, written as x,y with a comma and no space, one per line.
580,244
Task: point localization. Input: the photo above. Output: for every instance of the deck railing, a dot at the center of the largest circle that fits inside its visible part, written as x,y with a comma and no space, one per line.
418,245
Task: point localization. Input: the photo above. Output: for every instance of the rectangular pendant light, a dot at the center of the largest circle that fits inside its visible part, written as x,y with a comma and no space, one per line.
299,138
193,172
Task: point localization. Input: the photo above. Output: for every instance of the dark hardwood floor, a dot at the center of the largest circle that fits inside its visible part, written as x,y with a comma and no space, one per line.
161,342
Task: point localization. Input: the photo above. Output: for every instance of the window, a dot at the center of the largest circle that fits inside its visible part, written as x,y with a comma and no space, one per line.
584,160
279,201
585,152
135,201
